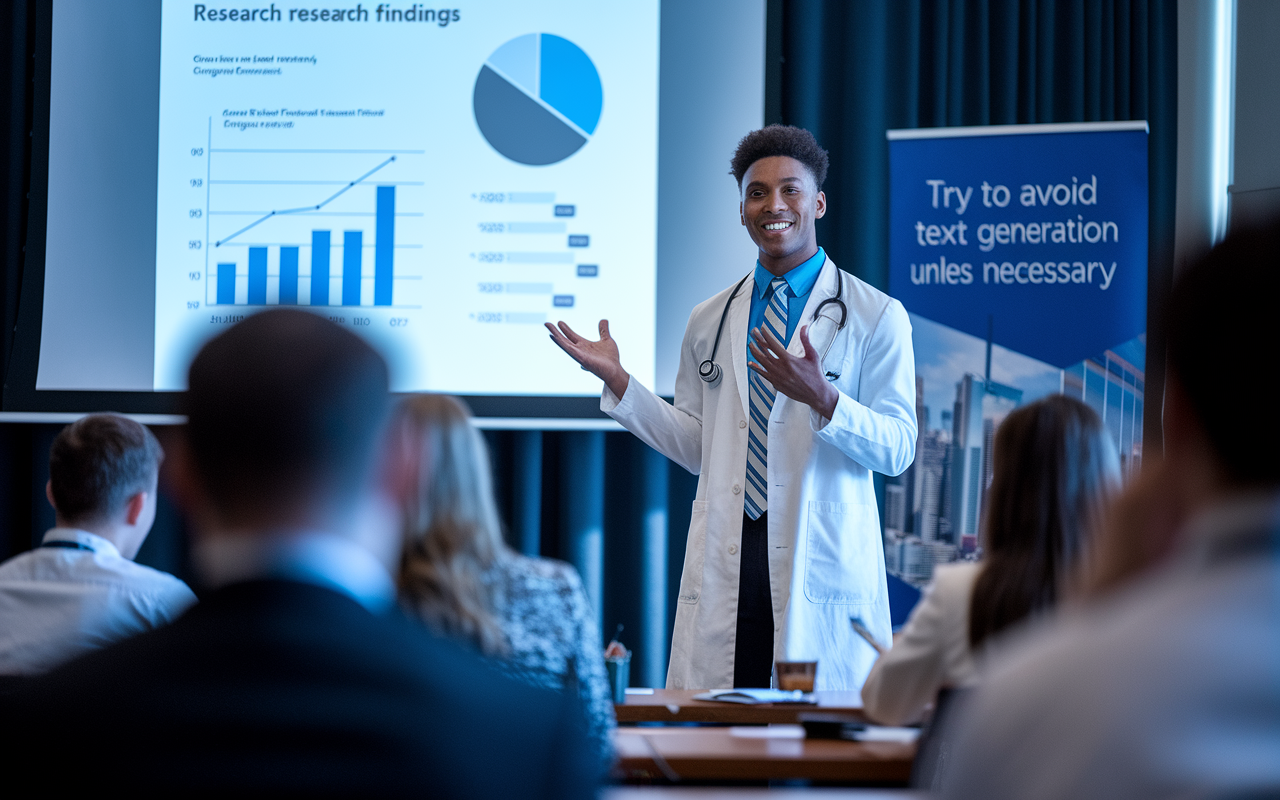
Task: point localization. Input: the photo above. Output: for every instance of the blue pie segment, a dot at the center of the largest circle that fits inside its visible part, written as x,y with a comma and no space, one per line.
538,99
569,83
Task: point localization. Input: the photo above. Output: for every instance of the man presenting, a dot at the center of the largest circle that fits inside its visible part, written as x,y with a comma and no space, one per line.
793,386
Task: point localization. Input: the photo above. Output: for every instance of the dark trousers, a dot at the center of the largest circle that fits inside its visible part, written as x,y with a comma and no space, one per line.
753,655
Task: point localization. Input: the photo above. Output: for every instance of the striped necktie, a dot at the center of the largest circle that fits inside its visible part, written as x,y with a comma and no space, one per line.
762,394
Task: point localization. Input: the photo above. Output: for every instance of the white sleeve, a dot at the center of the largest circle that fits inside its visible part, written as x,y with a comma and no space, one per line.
675,431
878,430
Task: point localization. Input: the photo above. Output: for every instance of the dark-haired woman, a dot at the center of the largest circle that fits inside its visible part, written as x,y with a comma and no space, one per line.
1054,468
530,615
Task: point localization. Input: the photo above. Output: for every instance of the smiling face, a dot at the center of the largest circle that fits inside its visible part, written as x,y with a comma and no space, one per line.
780,203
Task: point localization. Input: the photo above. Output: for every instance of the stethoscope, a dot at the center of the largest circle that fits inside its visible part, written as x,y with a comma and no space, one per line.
710,371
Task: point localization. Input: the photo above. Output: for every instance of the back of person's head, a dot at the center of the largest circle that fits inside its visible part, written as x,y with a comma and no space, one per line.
453,534
97,463
1222,331
1054,468
285,412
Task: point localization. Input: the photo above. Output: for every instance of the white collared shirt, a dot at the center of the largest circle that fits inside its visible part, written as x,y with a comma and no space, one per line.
58,602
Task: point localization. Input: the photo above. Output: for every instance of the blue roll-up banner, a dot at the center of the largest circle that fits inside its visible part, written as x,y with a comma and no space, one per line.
1020,252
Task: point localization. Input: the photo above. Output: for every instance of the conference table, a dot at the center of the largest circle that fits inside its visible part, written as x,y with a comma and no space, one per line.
776,752
716,741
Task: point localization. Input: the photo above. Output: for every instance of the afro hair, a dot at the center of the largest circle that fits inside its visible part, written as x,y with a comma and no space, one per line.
780,140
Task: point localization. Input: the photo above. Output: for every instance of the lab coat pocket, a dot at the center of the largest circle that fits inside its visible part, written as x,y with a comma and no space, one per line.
694,555
841,564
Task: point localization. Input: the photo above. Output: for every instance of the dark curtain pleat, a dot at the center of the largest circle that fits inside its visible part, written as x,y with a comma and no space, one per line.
17,41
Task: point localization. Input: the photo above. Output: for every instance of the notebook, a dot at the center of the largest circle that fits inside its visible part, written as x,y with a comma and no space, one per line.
755,696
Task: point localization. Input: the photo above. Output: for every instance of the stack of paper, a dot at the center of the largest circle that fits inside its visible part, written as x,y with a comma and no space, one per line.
754,696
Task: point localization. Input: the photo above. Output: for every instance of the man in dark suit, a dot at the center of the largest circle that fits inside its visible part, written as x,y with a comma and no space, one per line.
296,673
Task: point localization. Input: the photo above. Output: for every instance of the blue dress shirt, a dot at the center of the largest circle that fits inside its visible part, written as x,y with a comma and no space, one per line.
800,280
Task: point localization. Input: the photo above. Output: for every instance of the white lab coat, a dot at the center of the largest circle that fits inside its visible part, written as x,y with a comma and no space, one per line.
826,557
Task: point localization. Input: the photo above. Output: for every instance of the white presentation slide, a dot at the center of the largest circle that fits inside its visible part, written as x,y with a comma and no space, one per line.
441,180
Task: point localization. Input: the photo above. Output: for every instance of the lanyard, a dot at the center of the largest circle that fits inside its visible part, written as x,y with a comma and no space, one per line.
67,545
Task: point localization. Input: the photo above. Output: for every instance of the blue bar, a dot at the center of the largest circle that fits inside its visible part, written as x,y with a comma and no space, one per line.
226,284
384,245
288,276
319,268
257,276
352,250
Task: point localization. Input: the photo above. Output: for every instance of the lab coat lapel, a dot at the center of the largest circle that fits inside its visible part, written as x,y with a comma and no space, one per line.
739,312
823,288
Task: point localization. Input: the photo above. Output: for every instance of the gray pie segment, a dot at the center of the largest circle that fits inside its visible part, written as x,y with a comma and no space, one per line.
517,127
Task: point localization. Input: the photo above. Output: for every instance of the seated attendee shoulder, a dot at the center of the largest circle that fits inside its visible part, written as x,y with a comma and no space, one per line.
1166,681
1054,468
80,589
296,674
530,615
931,653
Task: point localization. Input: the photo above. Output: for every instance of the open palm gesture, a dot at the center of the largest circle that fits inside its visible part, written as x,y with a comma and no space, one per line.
600,357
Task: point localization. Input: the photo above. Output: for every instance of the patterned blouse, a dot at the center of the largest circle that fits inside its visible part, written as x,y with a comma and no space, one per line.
543,610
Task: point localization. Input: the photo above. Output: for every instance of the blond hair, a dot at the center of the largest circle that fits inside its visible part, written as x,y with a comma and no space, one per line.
453,535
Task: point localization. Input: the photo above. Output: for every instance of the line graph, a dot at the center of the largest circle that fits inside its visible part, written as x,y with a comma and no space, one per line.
315,207
308,250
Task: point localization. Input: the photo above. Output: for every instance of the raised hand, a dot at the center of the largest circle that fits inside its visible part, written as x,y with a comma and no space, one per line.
600,358
798,377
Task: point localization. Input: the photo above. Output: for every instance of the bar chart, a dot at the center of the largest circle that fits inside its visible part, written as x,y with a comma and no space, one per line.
310,228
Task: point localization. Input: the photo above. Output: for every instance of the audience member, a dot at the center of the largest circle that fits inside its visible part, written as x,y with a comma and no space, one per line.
1054,466
529,614
80,590
1166,684
296,674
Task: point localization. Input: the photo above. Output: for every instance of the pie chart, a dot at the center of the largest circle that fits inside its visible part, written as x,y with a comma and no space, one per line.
538,99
